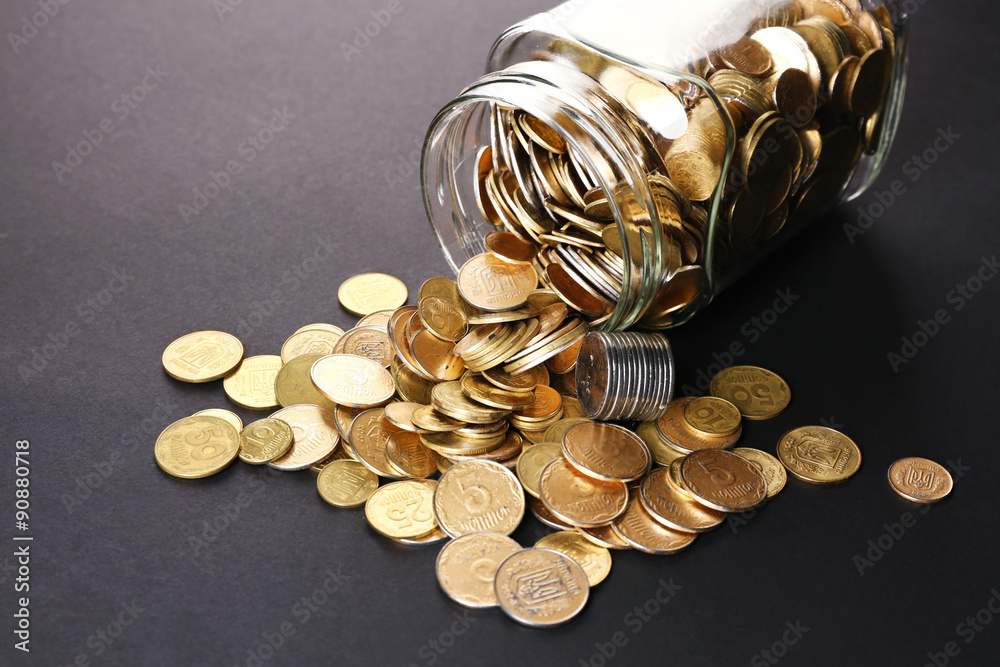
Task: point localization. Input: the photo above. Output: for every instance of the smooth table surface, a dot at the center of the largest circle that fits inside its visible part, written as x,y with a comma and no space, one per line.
101,267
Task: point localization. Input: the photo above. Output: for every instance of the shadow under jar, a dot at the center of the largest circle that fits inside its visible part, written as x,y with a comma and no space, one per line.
654,151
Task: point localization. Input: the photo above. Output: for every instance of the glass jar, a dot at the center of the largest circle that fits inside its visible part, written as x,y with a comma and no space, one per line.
654,150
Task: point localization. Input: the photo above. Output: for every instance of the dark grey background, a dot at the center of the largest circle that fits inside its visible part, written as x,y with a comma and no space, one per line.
110,529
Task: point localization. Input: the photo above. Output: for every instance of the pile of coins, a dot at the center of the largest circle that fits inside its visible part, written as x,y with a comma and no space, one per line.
804,91
375,411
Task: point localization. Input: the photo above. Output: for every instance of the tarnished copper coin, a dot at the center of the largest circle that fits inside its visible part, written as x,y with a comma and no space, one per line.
510,247
674,509
920,480
723,480
606,451
674,430
636,527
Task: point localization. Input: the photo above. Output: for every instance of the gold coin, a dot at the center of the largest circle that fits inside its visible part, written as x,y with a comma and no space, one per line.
197,446
595,560
663,454
723,480
294,386
402,509
555,432
642,532
673,428
265,440
315,436
228,415
449,398
202,356
380,318
325,327
444,317
467,567
511,381
370,342
673,509
407,455
604,536
774,473
478,389
370,432
531,462
819,455
920,480
756,392
493,284
346,483
435,356
547,403
577,499
345,416
428,419
340,454
712,416
565,361
400,414
309,341
541,587
353,381
370,292
433,537
510,247
412,387
251,386
543,514
475,496
606,451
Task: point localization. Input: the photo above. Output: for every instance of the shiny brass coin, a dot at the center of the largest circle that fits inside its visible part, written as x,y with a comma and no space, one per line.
445,288
402,509
574,291
604,536
448,397
606,451
723,480
542,298
325,327
380,319
339,454
571,404
547,403
542,513
315,436
744,55
573,331
293,385
353,381
427,418
481,339
542,134
531,462
251,386
493,284
758,393
774,473
663,454
370,433
196,447
412,387
265,440
478,389
555,432
510,381
309,341
510,247
673,428
673,509
371,342
475,496
577,499
712,416
674,477
515,315
595,560
467,566
523,332
202,356
435,356
565,586
642,532
920,480
369,292
344,417
400,414
445,318
404,451
565,361
819,455
506,453
346,483
228,415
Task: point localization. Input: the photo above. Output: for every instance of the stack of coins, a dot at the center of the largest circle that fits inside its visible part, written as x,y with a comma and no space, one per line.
382,409
625,375
803,90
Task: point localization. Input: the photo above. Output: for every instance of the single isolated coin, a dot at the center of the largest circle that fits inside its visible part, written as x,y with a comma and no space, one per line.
370,292
197,446
265,440
541,587
202,356
467,567
920,480
346,483
819,455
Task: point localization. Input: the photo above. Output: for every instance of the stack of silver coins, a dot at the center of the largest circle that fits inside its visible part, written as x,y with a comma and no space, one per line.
625,375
